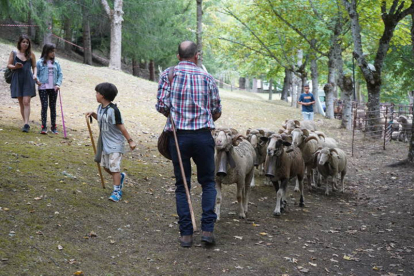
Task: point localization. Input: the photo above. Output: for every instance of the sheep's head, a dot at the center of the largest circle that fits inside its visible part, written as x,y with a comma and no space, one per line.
223,137
297,137
325,154
402,119
276,144
291,124
254,135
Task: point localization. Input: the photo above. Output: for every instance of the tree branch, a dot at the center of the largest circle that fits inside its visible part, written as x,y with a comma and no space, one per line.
106,8
295,29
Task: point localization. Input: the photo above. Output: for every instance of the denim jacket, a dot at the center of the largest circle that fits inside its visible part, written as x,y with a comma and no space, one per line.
42,72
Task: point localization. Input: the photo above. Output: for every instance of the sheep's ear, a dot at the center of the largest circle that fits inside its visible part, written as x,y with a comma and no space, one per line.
287,138
213,132
286,143
248,131
297,123
305,132
261,131
280,131
334,150
233,131
264,139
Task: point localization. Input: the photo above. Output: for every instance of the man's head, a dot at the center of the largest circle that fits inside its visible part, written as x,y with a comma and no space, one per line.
306,87
187,50
107,90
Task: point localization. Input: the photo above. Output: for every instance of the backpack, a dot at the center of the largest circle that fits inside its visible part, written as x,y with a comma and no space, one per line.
8,73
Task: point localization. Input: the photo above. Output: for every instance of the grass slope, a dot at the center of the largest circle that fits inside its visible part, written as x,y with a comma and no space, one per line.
55,218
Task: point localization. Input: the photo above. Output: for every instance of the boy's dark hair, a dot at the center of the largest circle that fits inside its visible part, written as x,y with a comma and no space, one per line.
107,90
189,51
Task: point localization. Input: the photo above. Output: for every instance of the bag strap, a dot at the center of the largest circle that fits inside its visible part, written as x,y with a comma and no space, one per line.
171,74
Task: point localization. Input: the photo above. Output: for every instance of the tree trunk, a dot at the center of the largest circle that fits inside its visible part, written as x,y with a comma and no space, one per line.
247,85
68,33
135,67
372,72
270,90
86,34
254,88
411,147
315,85
200,32
242,83
328,88
31,32
115,17
151,70
287,85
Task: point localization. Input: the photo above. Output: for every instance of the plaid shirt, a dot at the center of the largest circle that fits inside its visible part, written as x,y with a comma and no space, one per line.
192,97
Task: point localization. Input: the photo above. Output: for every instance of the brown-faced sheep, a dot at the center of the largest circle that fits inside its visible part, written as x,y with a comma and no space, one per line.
235,158
283,165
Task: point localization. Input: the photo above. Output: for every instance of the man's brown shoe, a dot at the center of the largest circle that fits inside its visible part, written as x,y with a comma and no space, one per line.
207,237
186,240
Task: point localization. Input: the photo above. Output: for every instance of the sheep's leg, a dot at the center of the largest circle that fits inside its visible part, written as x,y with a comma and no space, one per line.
279,196
343,180
302,197
296,186
261,169
249,178
218,199
309,176
240,192
327,186
316,178
252,184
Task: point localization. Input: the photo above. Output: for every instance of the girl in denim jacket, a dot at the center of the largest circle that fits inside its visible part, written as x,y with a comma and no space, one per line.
49,77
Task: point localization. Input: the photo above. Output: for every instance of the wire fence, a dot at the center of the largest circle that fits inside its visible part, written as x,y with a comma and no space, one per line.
375,130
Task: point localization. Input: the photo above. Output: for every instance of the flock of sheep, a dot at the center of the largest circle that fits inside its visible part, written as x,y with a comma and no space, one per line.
288,154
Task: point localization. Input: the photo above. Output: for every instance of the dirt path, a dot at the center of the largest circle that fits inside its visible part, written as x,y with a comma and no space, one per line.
56,220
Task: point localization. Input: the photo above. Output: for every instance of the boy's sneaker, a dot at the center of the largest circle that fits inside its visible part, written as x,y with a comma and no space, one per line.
44,130
26,128
54,129
122,180
116,196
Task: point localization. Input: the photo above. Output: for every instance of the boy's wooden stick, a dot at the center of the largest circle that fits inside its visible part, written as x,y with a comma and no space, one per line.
187,191
94,150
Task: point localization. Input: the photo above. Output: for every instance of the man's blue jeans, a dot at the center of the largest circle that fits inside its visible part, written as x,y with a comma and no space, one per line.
198,145
307,115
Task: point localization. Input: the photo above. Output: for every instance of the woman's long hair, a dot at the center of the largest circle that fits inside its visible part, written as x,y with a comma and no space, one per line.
28,52
47,48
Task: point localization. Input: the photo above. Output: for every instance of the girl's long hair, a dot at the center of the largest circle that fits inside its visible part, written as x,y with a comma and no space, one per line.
47,48
28,52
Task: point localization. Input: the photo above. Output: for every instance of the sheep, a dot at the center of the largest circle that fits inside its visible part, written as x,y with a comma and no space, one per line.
283,165
326,141
234,160
406,125
260,147
308,145
332,161
290,125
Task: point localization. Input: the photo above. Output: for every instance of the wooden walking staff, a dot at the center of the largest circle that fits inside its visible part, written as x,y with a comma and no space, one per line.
187,191
94,150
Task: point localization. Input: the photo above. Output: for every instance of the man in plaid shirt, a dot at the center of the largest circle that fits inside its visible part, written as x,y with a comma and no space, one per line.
192,98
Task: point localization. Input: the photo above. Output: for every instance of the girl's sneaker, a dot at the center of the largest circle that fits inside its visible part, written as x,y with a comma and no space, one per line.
44,130
116,196
54,129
